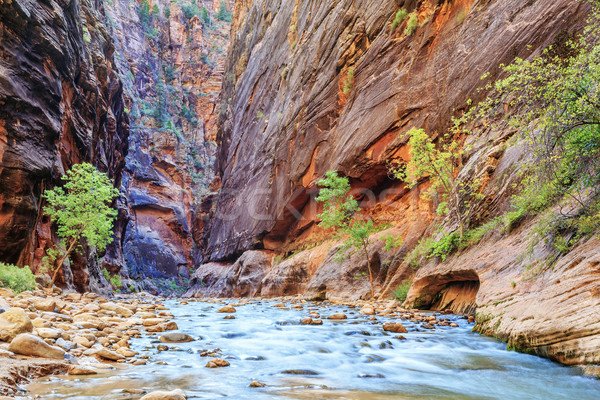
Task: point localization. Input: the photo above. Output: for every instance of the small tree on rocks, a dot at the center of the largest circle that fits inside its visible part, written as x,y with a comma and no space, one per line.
339,211
81,209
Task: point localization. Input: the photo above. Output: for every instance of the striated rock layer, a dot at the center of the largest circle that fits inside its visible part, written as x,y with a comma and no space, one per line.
60,104
317,86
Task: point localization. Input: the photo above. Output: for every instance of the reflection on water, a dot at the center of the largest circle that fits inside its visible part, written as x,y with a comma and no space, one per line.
351,359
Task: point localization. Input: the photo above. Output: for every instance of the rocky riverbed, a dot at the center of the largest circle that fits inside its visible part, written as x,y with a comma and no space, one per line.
144,347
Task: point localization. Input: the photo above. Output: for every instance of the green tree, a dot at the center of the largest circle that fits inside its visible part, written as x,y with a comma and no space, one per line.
340,211
223,14
439,166
144,14
81,209
205,17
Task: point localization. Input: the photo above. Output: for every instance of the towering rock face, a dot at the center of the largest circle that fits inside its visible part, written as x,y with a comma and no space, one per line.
318,86
171,57
60,104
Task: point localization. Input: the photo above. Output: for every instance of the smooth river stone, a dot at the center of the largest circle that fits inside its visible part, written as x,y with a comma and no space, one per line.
177,394
29,345
176,337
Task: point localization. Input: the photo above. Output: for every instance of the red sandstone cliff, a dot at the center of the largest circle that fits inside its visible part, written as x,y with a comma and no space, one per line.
319,86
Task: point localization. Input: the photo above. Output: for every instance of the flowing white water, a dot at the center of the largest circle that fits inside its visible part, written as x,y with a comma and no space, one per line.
348,359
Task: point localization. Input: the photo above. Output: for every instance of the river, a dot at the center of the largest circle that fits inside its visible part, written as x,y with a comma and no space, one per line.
349,359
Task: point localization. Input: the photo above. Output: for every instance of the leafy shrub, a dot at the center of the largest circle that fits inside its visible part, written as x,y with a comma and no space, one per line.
445,246
400,16
401,291
411,24
392,242
15,278
349,84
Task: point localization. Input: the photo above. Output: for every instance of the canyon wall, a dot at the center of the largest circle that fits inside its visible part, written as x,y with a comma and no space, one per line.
61,103
318,86
171,62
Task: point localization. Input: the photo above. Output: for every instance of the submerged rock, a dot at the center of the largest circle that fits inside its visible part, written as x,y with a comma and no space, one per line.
176,337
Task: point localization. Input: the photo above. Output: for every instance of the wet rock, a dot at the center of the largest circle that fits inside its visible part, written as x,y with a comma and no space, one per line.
108,355
394,327
317,322
171,326
14,322
29,345
177,394
226,309
217,363
81,370
306,321
299,372
367,310
256,384
453,325
400,337
162,347
176,337
427,326
337,316
371,376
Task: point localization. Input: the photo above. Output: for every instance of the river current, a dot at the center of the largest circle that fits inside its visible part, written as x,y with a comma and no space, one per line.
350,359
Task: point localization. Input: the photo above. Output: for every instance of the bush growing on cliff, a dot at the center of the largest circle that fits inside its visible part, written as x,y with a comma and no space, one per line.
411,24
339,211
401,291
400,16
15,278
81,210
439,166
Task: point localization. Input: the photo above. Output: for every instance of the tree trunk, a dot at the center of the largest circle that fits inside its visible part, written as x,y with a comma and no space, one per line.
369,269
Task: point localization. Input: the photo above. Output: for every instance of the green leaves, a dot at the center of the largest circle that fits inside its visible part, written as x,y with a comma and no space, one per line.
82,206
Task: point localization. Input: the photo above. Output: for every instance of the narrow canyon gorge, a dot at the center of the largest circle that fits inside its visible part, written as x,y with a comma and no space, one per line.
217,120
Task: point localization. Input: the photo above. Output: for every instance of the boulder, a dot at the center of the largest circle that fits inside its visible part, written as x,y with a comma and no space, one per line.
48,333
108,355
42,304
394,327
13,322
30,345
226,309
217,363
123,311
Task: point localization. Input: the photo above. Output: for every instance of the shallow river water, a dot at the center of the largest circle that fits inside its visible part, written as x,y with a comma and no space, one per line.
349,359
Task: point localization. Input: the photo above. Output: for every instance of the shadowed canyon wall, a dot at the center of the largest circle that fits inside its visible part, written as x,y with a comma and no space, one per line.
61,103
318,86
